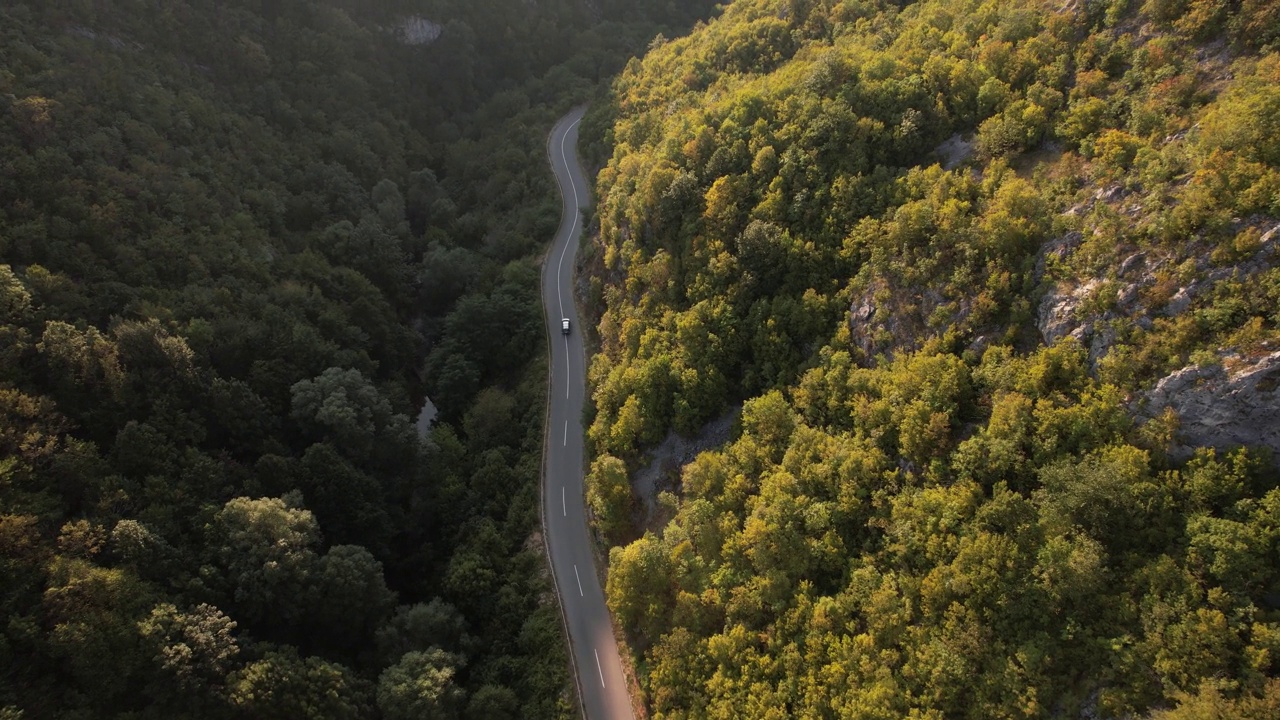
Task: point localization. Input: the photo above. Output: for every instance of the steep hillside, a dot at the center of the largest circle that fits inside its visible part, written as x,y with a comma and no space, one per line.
990,277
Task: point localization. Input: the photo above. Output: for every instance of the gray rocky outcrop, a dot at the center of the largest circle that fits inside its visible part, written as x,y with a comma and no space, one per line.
1058,248
954,150
1059,313
886,319
1126,299
417,30
1232,403
663,463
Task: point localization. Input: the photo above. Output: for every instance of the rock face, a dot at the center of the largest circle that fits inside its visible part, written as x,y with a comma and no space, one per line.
900,321
1125,296
954,151
1058,315
1223,406
662,469
417,30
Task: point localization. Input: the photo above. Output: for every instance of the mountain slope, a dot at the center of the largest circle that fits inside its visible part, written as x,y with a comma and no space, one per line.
954,258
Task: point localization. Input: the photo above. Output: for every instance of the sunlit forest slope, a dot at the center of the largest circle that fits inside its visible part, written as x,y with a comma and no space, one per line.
997,286
239,242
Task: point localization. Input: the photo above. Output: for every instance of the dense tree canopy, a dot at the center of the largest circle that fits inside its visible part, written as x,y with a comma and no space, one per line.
239,243
867,221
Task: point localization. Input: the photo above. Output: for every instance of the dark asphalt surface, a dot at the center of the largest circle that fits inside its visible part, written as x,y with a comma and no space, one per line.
601,685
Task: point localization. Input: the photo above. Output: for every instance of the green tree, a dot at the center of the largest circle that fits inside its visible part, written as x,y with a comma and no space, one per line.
610,498
284,685
197,649
490,421
94,613
1196,648
344,405
348,503
421,687
1245,119
1111,496
640,589
493,702
265,549
15,300
1211,701
421,626
769,421
15,311
351,598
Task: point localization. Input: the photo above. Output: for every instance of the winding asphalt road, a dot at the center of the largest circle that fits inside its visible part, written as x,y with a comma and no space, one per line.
602,688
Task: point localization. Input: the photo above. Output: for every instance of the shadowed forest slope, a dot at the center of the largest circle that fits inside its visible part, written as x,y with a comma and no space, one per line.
239,242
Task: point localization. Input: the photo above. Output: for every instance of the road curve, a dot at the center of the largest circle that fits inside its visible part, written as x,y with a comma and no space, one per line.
602,688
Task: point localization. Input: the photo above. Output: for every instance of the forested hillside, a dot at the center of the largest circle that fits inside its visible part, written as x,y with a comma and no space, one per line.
997,283
239,241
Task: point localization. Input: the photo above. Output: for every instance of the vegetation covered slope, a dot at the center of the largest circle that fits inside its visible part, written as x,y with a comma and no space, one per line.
943,502
238,242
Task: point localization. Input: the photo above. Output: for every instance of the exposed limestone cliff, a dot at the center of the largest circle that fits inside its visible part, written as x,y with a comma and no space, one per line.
1233,403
